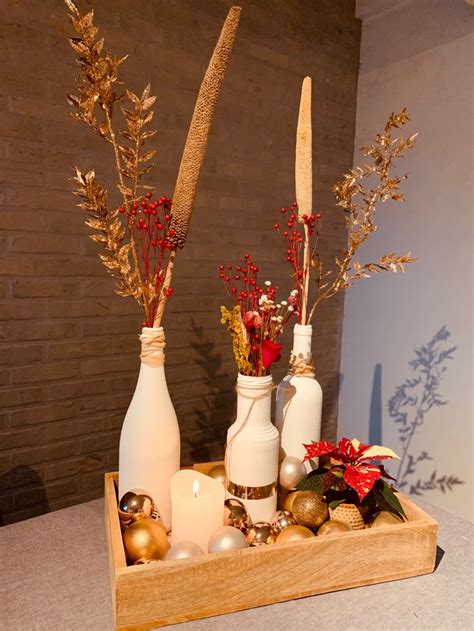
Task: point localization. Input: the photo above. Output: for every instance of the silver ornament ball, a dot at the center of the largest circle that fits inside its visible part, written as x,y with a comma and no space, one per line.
282,519
226,539
183,550
135,505
292,471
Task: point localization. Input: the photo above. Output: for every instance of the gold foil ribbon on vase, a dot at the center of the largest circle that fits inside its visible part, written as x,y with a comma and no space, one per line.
153,348
302,367
251,492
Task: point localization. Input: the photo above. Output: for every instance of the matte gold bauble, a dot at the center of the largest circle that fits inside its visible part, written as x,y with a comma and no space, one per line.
292,471
294,533
135,505
310,509
333,527
349,514
282,519
226,539
183,550
235,514
218,473
385,519
287,503
260,534
145,540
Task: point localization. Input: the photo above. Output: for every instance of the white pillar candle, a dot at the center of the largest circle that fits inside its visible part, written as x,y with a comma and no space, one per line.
197,507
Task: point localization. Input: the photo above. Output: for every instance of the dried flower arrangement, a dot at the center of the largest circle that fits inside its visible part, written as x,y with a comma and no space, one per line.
139,237
302,227
256,320
350,479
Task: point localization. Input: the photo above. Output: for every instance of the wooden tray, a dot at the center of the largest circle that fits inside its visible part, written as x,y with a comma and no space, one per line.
149,596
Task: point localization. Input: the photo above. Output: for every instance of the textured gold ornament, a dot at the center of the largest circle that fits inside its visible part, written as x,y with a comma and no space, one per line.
288,500
282,519
145,540
333,527
292,471
135,505
348,514
260,534
310,509
385,519
235,514
218,473
294,533
226,539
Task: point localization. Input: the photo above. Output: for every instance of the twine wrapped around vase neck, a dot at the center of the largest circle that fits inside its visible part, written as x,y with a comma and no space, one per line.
153,348
271,387
302,366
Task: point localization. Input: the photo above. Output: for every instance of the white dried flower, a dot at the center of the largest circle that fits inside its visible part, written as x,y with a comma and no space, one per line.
268,283
290,308
284,303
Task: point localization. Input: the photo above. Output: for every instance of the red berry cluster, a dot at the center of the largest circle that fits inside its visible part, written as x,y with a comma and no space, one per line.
241,282
293,237
149,223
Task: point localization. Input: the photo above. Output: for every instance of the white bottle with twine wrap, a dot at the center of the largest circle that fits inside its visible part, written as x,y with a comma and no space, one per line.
251,457
299,400
149,452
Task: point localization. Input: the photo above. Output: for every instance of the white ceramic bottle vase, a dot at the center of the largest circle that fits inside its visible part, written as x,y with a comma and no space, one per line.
253,449
149,452
299,400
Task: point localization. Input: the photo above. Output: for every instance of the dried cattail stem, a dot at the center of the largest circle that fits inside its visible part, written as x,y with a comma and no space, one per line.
196,141
303,158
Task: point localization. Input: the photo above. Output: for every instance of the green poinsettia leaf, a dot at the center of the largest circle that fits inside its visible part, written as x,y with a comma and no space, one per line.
387,500
335,503
312,482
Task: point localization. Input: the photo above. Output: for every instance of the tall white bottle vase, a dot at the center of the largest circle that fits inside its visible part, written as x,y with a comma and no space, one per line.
149,453
299,401
253,449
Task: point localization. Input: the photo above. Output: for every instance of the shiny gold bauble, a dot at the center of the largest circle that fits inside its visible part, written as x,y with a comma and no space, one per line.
310,509
292,471
287,503
135,505
145,540
260,534
281,519
349,514
235,514
218,473
333,527
226,539
294,533
385,519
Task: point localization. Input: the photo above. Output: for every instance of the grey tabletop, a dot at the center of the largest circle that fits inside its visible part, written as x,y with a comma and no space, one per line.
54,576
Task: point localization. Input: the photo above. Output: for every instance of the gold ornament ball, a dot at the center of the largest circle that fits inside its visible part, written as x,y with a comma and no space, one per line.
333,527
384,519
287,503
235,514
310,509
145,540
294,533
282,519
292,471
226,539
260,534
218,473
135,505
183,550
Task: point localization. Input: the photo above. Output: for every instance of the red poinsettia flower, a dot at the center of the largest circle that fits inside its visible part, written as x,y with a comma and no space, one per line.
271,352
353,454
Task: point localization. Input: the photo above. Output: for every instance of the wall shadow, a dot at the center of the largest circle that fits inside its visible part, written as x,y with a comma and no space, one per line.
31,500
213,417
375,411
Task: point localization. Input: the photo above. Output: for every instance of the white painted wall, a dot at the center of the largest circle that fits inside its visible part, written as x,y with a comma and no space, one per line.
418,54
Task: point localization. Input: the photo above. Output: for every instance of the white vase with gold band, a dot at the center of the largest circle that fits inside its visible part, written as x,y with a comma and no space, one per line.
299,400
149,453
253,448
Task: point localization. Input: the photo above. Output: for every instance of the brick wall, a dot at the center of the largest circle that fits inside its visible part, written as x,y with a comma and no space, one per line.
69,344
